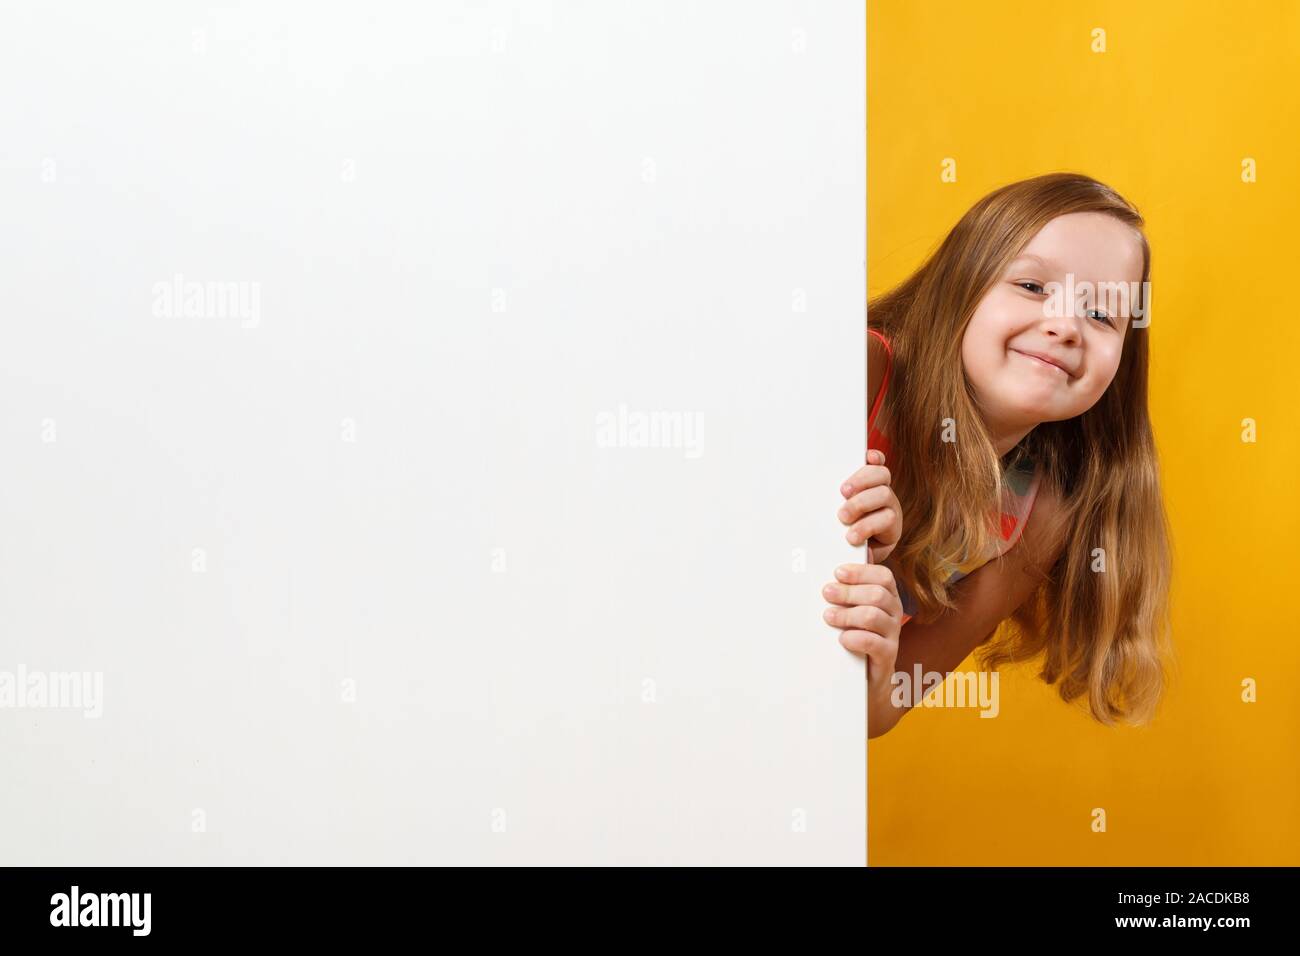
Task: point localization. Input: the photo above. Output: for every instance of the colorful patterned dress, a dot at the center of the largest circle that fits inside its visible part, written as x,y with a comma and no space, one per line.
1020,483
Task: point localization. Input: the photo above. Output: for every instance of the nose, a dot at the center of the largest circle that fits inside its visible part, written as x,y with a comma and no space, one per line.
1063,328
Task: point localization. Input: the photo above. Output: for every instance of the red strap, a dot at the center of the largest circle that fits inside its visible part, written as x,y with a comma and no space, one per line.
880,392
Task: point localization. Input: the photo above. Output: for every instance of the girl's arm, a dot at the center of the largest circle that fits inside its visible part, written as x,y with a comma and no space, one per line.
984,599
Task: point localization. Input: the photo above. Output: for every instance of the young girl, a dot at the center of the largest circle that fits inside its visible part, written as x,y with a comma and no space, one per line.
1020,453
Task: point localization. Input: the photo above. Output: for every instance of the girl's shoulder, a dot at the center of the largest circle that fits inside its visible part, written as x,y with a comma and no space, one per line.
1045,530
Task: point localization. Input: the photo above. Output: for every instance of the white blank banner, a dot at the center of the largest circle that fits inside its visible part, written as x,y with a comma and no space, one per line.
424,422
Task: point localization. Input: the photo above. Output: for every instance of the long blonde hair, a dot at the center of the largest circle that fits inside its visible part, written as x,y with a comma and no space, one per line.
1100,634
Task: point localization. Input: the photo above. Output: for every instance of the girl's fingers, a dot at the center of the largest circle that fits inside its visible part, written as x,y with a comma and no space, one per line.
866,617
878,496
865,477
851,595
872,526
869,644
866,574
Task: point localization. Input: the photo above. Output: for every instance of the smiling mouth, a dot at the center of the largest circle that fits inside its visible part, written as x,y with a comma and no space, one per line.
1035,358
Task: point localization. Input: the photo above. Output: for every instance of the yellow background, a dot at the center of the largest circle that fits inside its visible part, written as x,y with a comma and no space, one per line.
1184,92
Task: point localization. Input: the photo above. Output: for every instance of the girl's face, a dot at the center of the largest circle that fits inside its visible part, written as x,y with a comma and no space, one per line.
1034,357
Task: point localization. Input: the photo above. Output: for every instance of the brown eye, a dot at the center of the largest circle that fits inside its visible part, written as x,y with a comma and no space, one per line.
1037,289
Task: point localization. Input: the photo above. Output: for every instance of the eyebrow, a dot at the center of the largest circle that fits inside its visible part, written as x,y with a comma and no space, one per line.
1045,263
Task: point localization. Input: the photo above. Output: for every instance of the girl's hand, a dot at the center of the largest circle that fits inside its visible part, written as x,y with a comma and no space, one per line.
872,510
865,605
